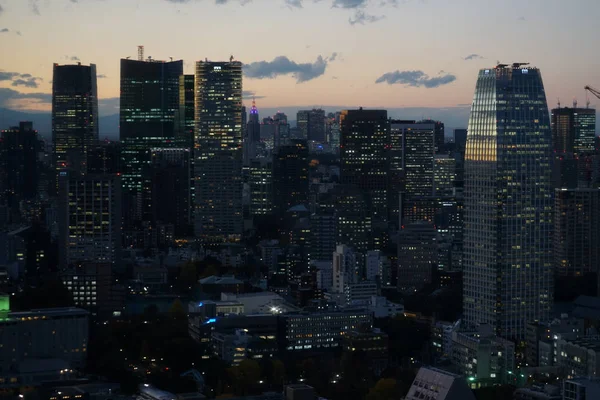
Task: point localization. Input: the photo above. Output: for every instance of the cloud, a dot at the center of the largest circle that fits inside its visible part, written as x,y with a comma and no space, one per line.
101,76
34,7
1,9
362,18
349,3
29,82
4,30
521,19
19,79
473,57
9,96
415,79
293,3
251,94
75,58
282,65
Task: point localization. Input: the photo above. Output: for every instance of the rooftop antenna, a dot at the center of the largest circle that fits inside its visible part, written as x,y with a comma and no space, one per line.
558,100
171,58
140,53
231,58
574,103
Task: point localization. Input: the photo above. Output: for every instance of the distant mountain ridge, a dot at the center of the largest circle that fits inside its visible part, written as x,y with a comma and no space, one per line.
452,117
42,121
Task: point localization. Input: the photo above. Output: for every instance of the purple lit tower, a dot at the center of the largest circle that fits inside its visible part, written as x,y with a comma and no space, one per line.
252,134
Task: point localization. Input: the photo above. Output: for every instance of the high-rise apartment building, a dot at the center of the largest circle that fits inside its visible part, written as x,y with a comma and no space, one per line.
148,110
508,202
19,167
290,176
574,130
311,124
364,157
89,219
576,235
74,115
218,156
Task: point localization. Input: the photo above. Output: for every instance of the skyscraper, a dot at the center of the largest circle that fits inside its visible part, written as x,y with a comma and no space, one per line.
508,202
19,167
363,156
574,130
218,158
252,134
187,109
311,124
576,236
89,219
148,109
74,115
290,176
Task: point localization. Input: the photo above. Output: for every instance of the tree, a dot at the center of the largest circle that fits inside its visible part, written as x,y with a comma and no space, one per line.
177,310
187,277
245,375
277,373
384,389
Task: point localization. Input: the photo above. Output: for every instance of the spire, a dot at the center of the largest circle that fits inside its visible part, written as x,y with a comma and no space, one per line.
254,110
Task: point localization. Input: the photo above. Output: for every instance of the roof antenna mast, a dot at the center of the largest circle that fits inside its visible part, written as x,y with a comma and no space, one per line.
140,53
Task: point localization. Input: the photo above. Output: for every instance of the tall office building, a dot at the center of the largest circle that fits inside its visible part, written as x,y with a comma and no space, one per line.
439,134
311,124
218,158
186,111
260,181
444,175
574,130
508,202
148,110
89,219
252,135
19,167
74,115
290,176
411,164
171,195
576,236
104,158
364,157
417,256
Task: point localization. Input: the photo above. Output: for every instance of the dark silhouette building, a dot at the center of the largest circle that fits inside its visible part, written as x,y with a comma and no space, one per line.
148,108
290,176
74,115
311,124
187,110
573,130
19,167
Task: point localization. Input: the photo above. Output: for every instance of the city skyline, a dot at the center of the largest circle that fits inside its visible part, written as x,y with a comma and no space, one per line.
343,55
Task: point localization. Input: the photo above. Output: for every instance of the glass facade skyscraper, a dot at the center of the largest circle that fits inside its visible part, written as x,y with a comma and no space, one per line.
574,130
148,111
508,202
74,115
218,152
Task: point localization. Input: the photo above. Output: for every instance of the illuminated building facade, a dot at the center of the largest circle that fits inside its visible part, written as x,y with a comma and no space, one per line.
574,130
218,152
74,115
363,156
89,219
508,202
576,236
148,108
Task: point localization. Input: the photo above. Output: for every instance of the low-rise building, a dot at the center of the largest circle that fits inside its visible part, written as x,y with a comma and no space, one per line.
579,357
372,343
581,389
538,392
482,357
441,338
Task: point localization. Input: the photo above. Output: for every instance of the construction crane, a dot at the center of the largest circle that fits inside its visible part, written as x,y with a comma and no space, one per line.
593,91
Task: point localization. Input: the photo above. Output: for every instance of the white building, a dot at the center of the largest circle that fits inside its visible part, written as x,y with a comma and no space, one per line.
324,274
433,383
344,268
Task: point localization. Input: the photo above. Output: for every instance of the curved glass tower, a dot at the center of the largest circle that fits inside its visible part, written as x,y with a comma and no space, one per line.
508,202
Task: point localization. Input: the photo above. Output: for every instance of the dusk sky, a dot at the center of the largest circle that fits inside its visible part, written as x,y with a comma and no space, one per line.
372,53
